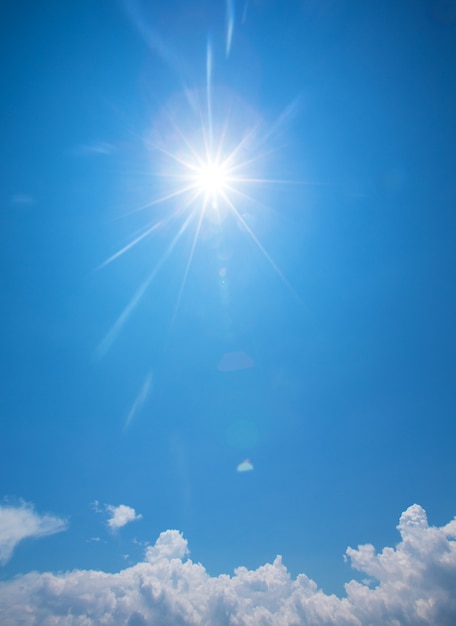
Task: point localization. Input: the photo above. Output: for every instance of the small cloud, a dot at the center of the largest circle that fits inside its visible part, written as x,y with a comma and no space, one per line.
22,522
96,507
233,361
138,542
121,515
245,466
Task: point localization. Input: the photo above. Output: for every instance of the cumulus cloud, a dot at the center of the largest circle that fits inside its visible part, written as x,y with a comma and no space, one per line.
22,522
121,515
414,586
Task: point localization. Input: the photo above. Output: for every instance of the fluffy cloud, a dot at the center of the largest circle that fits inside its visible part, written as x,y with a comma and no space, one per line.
414,585
21,522
417,580
121,515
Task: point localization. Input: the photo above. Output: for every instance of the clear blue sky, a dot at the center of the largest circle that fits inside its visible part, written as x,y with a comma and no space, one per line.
332,294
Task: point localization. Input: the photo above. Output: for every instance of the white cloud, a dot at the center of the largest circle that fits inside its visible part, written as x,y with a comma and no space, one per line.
121,515
415,587
170,545
245,466
22,522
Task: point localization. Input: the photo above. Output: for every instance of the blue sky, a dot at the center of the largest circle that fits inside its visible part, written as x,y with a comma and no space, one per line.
308,325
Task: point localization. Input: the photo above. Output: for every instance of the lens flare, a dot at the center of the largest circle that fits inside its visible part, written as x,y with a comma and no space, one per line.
207,151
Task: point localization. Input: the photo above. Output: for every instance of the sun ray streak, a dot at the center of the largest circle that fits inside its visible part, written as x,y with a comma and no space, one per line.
115,329
244,12
269,181
287,114
230,15
240,146
209,92
170,196
176,157
260,156
139,400
187,267
221,142
262,249
188,144
130,245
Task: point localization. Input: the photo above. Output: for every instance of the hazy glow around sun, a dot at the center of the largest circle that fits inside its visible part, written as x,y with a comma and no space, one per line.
208,166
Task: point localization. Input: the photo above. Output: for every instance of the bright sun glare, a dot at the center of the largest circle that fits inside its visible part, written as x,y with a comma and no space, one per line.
208,170
212,179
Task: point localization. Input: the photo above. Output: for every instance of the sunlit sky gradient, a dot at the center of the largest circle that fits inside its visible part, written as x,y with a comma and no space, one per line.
304,325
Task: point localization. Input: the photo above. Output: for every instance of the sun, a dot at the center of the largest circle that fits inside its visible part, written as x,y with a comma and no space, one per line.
207,162
211,179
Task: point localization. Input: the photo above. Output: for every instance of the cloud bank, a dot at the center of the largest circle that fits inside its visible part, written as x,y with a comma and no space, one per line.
414,585
22,522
